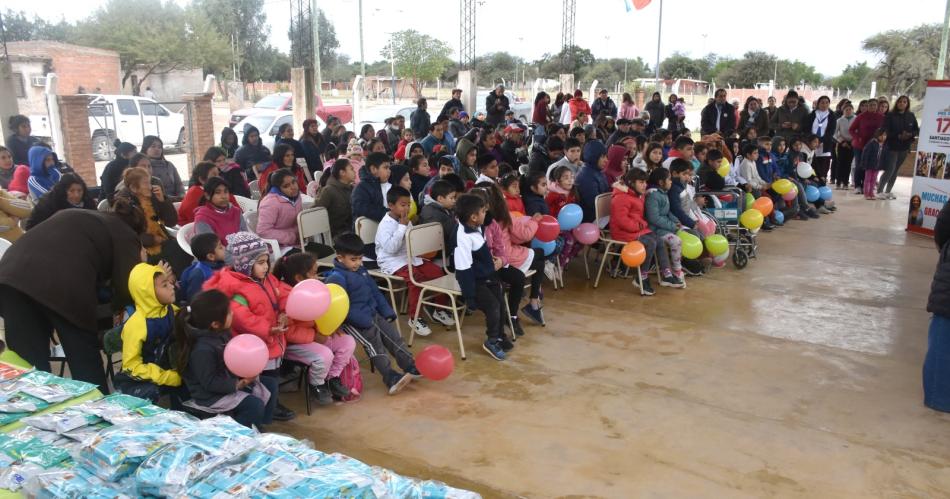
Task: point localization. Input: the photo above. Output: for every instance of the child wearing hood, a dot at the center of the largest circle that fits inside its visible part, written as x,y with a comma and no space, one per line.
147,370
203,330
369,198
257,301
615,167
354,153
43,171
665,225
591,181
628,223
252,155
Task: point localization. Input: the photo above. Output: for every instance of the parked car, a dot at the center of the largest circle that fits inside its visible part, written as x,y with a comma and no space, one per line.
377,116
284,101
268,122
522,108
130,119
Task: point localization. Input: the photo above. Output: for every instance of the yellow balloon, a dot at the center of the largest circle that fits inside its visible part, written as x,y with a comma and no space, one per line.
751,219
782,186
724,168
413,209
330,321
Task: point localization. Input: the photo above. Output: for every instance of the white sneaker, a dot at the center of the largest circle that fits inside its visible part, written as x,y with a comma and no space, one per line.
890,195
441,316
859,191
549,271
881,196
420,327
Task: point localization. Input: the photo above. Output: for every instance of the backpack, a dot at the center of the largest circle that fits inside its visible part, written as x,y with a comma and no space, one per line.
352,378
112,338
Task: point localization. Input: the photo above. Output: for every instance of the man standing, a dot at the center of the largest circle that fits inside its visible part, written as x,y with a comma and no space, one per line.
789,117
719,117
496,105
454,102
419,119
656,110
603,105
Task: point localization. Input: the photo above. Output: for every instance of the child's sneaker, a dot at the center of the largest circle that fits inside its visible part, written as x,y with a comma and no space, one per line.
440,316
646,289
533,313
397,382
412,371
679,274
322,394
420,327
282,413
494,349
337,388
516,328
505,343
670,281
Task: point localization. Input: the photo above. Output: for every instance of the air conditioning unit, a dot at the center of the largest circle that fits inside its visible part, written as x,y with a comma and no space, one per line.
38,81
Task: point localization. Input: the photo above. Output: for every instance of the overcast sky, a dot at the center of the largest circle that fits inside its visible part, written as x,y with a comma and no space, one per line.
824,33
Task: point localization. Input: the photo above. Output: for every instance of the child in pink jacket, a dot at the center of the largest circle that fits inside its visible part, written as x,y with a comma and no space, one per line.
277,213
506,237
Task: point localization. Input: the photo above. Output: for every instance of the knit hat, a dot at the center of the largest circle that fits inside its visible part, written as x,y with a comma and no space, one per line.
354,148
243,250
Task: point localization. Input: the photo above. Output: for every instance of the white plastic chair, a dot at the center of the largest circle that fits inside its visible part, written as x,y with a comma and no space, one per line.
313,223
185,233
251,218
427,238
392,284
104,205
255,187
247,205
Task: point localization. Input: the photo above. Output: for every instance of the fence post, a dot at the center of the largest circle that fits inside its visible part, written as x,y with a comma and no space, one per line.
199,124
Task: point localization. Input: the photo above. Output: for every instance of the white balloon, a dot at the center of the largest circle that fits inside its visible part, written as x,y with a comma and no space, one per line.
721,258
805,170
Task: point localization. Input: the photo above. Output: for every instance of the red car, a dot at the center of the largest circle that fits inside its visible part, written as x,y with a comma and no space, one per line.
284,101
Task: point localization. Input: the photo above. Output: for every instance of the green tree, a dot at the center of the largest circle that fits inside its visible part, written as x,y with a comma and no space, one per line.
553,65
418,57
908,58
18,27
680,65
172,39
754,67
719,66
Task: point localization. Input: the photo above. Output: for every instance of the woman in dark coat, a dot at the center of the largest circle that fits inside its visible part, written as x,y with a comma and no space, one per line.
936,371
43,287
69,192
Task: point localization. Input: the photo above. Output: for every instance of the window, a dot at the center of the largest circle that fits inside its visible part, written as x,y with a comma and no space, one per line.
150,108
19,85
280,122
127,107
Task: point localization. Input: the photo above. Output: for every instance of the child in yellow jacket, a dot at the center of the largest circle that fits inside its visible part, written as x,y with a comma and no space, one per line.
147,336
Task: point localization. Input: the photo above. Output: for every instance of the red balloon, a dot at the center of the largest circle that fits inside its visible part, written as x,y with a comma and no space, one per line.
435,362
548,229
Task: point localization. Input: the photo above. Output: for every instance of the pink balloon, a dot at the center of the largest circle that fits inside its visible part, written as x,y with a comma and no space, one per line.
586,233
790,195
245,355
706,226
309,300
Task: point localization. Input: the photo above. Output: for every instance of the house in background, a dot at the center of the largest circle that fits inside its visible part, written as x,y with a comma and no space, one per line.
166,85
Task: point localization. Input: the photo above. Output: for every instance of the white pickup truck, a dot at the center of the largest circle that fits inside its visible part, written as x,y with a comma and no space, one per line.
127,118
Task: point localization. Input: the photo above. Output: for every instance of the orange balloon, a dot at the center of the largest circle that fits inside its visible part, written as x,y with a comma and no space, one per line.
430,255
516,214
633,254
764,205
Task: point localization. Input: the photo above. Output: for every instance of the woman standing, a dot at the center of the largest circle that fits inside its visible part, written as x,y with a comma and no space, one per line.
936,372
841,166
753,116
163,170
540,114
555,110
69,192
902,128
656,110
63,292
862,129
628,108
821,123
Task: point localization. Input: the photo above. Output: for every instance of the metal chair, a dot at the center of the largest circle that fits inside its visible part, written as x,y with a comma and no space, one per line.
427,238
104,205
251,219
366,229
602,214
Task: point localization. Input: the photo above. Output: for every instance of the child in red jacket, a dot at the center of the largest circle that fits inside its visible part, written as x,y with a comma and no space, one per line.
257,301
561,192
511,188
628,222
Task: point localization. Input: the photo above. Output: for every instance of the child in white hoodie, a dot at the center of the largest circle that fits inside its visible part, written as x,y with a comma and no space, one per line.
747,170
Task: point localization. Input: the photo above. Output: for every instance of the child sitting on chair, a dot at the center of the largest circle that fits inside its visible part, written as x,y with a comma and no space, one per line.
209,258
370,319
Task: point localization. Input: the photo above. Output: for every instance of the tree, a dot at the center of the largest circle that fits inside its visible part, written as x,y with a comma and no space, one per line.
754,67
418,57
171,39
680,65
328,42
855,76
908,58
553,65
18,27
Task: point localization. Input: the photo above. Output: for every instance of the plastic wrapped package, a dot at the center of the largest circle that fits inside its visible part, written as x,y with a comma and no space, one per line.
117,451
385,482
119,408
20,459
51,388
275,454
216,441
328,481
74,483
62,421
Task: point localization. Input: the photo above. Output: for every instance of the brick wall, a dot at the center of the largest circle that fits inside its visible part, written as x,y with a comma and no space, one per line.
76,65
76,136
200,117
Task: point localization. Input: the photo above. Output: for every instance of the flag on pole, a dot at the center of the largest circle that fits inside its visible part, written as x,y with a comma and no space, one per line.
635,4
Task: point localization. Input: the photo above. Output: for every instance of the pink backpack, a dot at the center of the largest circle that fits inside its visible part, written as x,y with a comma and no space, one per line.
352,378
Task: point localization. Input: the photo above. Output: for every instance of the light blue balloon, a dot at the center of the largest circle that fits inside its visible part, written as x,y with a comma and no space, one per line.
547,247
825,193
779,217
812,194
570,216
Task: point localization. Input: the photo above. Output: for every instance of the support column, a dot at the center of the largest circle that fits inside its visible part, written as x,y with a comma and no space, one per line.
199,126
302,88
467,83
8,105
77,146
567,83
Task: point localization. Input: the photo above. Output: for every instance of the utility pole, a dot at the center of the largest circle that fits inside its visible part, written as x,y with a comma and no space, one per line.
659,36
362,59
315,25
943,43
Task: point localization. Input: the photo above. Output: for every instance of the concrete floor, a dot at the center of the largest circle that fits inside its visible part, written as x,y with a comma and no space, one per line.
798,376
